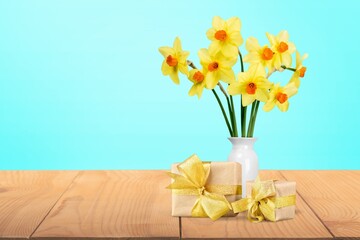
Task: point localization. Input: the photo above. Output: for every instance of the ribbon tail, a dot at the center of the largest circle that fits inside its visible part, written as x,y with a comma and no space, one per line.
212,205
240,205
268,210
254,214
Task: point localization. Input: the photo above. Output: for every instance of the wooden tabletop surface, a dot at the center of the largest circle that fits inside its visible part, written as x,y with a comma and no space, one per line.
136,205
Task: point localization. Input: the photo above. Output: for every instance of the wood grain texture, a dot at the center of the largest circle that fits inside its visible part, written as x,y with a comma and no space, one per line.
113,204
26,197
304,225
334,196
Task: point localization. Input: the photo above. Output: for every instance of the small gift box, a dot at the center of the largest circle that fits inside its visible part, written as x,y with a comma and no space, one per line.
272,200
204,189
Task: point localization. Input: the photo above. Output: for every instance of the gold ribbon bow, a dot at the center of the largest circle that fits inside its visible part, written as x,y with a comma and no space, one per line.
262,203
192,181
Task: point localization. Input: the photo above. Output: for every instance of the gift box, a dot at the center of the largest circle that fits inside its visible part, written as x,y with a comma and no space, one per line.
283,190
212,196
272,200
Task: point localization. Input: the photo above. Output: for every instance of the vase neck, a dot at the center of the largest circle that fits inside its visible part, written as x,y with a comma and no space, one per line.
242,142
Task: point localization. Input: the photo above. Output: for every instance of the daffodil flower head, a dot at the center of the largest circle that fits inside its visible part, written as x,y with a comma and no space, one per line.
174,61
279,96
225,36
282,48
262,55
216,67
252,85
299,70
197,77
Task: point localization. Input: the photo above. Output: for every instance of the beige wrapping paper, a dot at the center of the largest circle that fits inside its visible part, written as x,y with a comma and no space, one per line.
283,188
221,173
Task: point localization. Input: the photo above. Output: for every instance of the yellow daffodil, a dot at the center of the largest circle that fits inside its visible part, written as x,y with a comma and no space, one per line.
299,70
225,36
282,48
259,55
197,77
252,85
175,60
216,67
279,96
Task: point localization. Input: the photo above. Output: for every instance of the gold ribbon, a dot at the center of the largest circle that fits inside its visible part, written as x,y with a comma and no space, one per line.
211,201
262,203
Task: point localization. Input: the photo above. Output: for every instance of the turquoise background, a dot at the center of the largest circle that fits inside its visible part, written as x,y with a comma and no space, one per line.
81,86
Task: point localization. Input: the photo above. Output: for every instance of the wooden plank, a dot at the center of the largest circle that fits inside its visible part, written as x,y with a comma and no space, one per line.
26,197
304,225
113,204
334,196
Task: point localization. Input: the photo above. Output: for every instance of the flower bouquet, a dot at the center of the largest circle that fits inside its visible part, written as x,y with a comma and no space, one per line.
253,85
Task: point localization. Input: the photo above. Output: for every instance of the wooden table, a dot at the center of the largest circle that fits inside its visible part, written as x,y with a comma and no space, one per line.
135,204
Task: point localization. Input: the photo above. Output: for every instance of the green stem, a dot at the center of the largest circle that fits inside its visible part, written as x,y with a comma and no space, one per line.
288,68
223,112
257,103
251,118
243,119
241,61
233,117
243,109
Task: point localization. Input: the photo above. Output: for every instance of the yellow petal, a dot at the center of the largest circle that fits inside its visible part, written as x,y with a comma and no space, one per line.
252,57
229,50
183,68
215,47
211,80
233,24
271,39
262,95
236,38
166,51
234,88
290,89
183,56
277,61
286,59
204,56
243,76
177,45
291,47
227,75
283,36
257,70
166,69
252,44
218,23
193,90
247,99
175,77
191,75
269,105
283,106
197,89
228,62
295,79
298,60
200,89
211,34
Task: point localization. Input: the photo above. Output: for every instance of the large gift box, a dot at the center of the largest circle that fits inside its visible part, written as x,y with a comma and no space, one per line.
204,189
272,200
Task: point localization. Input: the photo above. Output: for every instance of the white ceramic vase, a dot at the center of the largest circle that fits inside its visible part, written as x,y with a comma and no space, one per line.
243,152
